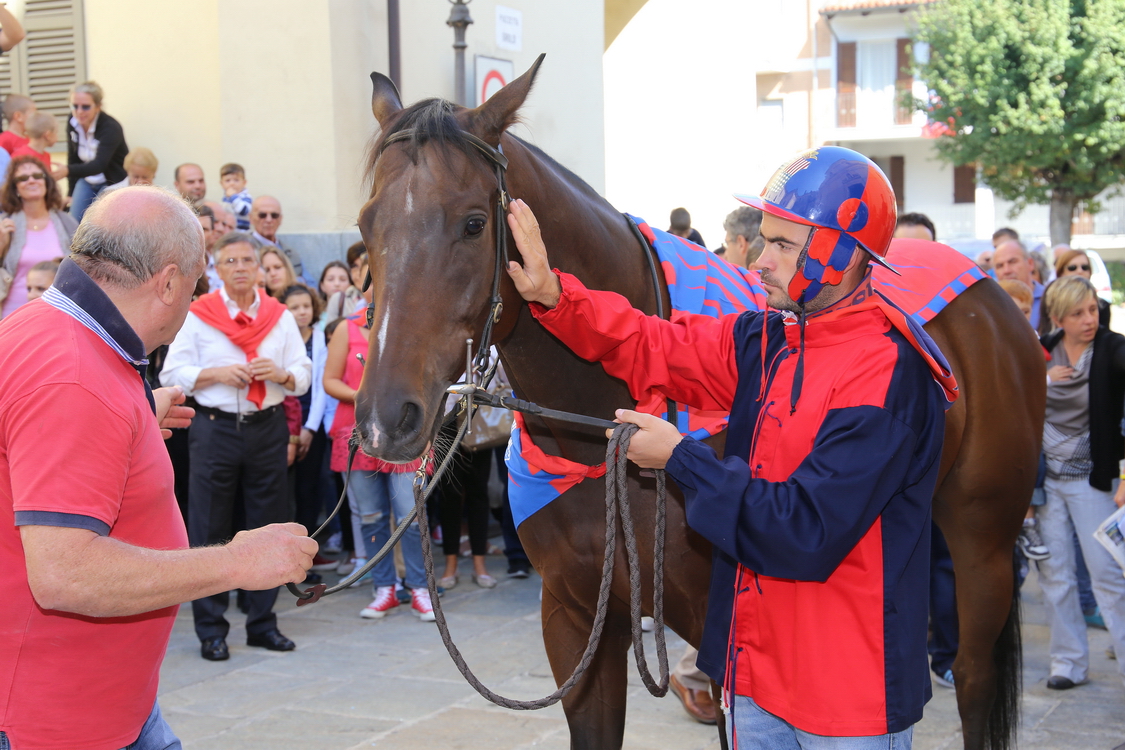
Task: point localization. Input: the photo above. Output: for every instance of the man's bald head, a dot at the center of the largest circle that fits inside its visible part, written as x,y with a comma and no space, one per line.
265,216
129,235
1011,261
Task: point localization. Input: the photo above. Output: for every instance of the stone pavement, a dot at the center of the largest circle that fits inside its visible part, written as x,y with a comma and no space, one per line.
390,684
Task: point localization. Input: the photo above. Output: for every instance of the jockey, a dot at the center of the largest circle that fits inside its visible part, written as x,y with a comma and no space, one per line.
819,513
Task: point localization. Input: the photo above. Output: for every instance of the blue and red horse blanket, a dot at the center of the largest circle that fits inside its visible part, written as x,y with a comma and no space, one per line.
701,283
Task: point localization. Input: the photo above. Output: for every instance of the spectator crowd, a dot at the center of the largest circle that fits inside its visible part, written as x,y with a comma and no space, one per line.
267,358
271,357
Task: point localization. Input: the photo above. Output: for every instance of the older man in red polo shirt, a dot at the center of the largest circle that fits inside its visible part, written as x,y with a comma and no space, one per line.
92,543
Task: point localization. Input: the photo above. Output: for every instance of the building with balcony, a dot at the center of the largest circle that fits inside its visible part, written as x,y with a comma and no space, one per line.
706,100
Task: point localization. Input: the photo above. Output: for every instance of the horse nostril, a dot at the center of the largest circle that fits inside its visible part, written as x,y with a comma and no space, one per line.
411,421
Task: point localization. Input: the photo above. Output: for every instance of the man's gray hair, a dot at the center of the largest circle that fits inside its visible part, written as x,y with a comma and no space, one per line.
745,221
128,235
233,238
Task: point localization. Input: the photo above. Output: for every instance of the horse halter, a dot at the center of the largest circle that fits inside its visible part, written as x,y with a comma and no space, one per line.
499,163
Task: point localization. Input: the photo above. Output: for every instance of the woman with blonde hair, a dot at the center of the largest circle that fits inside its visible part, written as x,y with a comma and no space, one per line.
96,149
277,271
1082,444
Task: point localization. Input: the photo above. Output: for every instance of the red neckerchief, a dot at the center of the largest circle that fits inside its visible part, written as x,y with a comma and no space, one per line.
243,331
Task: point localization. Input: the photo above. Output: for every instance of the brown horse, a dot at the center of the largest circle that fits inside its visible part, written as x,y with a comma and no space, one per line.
430,227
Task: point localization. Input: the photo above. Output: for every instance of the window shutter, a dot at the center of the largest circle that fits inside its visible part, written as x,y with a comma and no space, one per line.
898,180
904,82
965,183
51,59
845,84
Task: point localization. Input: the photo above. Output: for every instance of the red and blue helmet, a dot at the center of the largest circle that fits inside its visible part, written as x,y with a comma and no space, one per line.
847,200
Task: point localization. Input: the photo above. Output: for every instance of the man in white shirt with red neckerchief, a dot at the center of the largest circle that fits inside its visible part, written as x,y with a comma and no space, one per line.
239,354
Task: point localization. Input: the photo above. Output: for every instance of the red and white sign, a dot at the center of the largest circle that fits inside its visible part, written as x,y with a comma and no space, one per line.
492,74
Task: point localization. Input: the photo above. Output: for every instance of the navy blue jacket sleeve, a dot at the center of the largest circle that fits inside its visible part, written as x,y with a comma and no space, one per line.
802,528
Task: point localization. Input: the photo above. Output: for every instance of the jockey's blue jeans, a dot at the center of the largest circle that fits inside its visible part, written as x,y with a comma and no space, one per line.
756,729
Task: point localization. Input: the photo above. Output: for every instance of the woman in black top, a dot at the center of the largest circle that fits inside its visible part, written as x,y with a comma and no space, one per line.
96,149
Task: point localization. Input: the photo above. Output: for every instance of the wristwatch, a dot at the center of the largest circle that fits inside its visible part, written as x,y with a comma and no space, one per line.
294,439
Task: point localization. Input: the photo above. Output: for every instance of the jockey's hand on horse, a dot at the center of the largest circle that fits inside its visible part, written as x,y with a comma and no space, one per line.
534,280
652,445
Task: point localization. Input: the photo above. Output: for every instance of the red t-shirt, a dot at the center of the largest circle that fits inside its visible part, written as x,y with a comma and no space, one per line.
78,441
27,150
9,141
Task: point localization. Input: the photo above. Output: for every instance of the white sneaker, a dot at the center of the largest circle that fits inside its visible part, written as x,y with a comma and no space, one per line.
347,565
332,546
385,600
648,624
420,604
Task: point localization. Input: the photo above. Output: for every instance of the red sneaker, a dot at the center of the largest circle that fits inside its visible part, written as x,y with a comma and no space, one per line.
320,562
385,601
421,606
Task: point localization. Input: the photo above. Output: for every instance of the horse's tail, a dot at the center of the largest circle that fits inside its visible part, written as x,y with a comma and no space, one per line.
1007,655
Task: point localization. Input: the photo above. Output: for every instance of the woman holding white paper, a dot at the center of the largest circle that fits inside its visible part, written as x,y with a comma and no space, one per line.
1083,445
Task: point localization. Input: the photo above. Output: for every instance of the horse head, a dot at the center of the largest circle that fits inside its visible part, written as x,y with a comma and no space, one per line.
430,228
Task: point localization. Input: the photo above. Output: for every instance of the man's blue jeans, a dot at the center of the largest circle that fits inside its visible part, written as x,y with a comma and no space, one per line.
155,735
755,729
376,495
84,194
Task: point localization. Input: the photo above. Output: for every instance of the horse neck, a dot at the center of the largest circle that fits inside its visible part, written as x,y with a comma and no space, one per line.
587,237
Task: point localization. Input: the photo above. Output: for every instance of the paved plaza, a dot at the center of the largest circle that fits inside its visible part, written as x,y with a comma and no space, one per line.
390,684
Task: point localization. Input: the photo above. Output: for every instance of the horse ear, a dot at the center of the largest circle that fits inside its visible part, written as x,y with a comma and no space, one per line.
385,99
491,119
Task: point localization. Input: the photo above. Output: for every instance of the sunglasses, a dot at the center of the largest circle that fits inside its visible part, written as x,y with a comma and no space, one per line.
32,176
268,215
83,107
1078,267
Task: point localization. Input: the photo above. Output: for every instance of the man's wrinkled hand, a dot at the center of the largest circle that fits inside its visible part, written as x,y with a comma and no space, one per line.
534,280
271,556
170,411
652,445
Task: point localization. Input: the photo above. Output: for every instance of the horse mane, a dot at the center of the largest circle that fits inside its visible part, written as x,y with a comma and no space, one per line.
433,121
430,121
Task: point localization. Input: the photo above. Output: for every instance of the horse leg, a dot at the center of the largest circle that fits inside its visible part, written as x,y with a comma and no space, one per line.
986,671
595,708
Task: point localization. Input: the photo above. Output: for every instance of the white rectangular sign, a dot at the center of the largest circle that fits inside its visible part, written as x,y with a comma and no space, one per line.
491,76
509,29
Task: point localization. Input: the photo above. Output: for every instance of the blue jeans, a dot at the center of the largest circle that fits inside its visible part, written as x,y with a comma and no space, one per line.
755,729
83,195
377,495
155,735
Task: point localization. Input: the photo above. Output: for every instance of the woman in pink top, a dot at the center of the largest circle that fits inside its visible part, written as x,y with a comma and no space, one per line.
33,227
375,487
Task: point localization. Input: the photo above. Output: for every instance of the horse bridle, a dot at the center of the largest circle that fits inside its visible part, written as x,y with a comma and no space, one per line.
479,370
499,163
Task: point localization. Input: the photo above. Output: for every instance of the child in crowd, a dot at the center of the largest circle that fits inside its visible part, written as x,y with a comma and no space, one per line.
346,301
17,108
40,277
310,472
233,179
42,133
1029,540
1020,294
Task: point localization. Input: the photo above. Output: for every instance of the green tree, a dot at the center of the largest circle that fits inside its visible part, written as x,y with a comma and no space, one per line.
1034,93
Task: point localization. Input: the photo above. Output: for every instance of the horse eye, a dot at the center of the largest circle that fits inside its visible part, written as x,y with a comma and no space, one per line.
474,226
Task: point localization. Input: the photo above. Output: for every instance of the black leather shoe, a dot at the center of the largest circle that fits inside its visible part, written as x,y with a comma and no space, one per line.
214,649
272,640
1058,682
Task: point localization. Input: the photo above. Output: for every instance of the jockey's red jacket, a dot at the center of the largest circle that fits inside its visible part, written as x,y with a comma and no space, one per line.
819,514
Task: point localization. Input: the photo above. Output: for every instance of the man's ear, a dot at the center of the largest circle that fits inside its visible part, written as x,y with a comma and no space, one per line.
165,283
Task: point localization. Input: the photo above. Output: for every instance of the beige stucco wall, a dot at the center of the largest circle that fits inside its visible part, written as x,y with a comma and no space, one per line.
281,86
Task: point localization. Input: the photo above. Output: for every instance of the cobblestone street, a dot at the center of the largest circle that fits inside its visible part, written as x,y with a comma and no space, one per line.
390,684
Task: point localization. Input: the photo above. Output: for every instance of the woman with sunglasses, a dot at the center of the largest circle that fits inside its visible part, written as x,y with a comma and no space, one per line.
1072,263
96,150
33,227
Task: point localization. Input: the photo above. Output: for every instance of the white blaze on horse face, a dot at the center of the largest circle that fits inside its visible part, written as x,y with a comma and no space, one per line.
409,209
383,332
375,435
